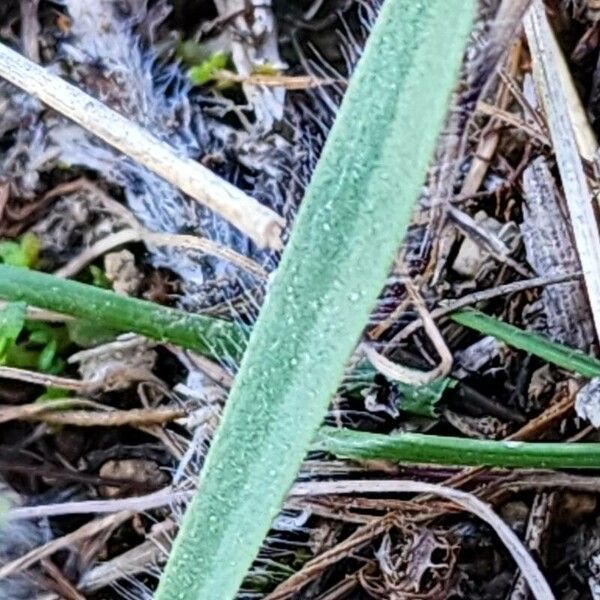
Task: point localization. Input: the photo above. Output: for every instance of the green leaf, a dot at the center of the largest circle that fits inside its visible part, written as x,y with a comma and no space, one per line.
53,393
30,248
12,321
557,354
423,400
18,356
24,253
266,69
352,220
347,232
88,334
47,356
47,341
192,53
208,69
99,278
10,253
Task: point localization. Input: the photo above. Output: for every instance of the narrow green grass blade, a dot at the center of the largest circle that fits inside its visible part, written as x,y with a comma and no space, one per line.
442,450
557,354
352,220
206,335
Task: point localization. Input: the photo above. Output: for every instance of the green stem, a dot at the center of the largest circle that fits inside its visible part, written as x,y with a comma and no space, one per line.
205,335
443,450
561,356
352,220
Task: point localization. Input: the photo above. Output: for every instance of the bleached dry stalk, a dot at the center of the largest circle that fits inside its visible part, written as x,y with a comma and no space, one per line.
547,76
531,572
260,223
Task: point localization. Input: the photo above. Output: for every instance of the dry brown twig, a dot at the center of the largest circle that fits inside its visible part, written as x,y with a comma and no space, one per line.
311,569
63,585
139,234
513,120
260,223
39,314
87,530
540,516
138,504
407,375
113,418
480,296
288,82
490,136
62,412
136,232
131,562
528,566
465,500
63,383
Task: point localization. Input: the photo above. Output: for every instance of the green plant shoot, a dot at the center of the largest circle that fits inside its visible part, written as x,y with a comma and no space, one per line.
353,218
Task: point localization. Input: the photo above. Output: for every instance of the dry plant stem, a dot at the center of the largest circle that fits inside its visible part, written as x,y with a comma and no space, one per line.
62,584
536,581
551,481
577,193
112,418
320,563
490,137
485,239
502,33
540,516
139,234
132,562
528,566
208,247
545,420
512,120
404,374
506,24
87,530
257,221
27,411
101,247
470,299
293,82
584,134
63,383
61,411
529,109
138,504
